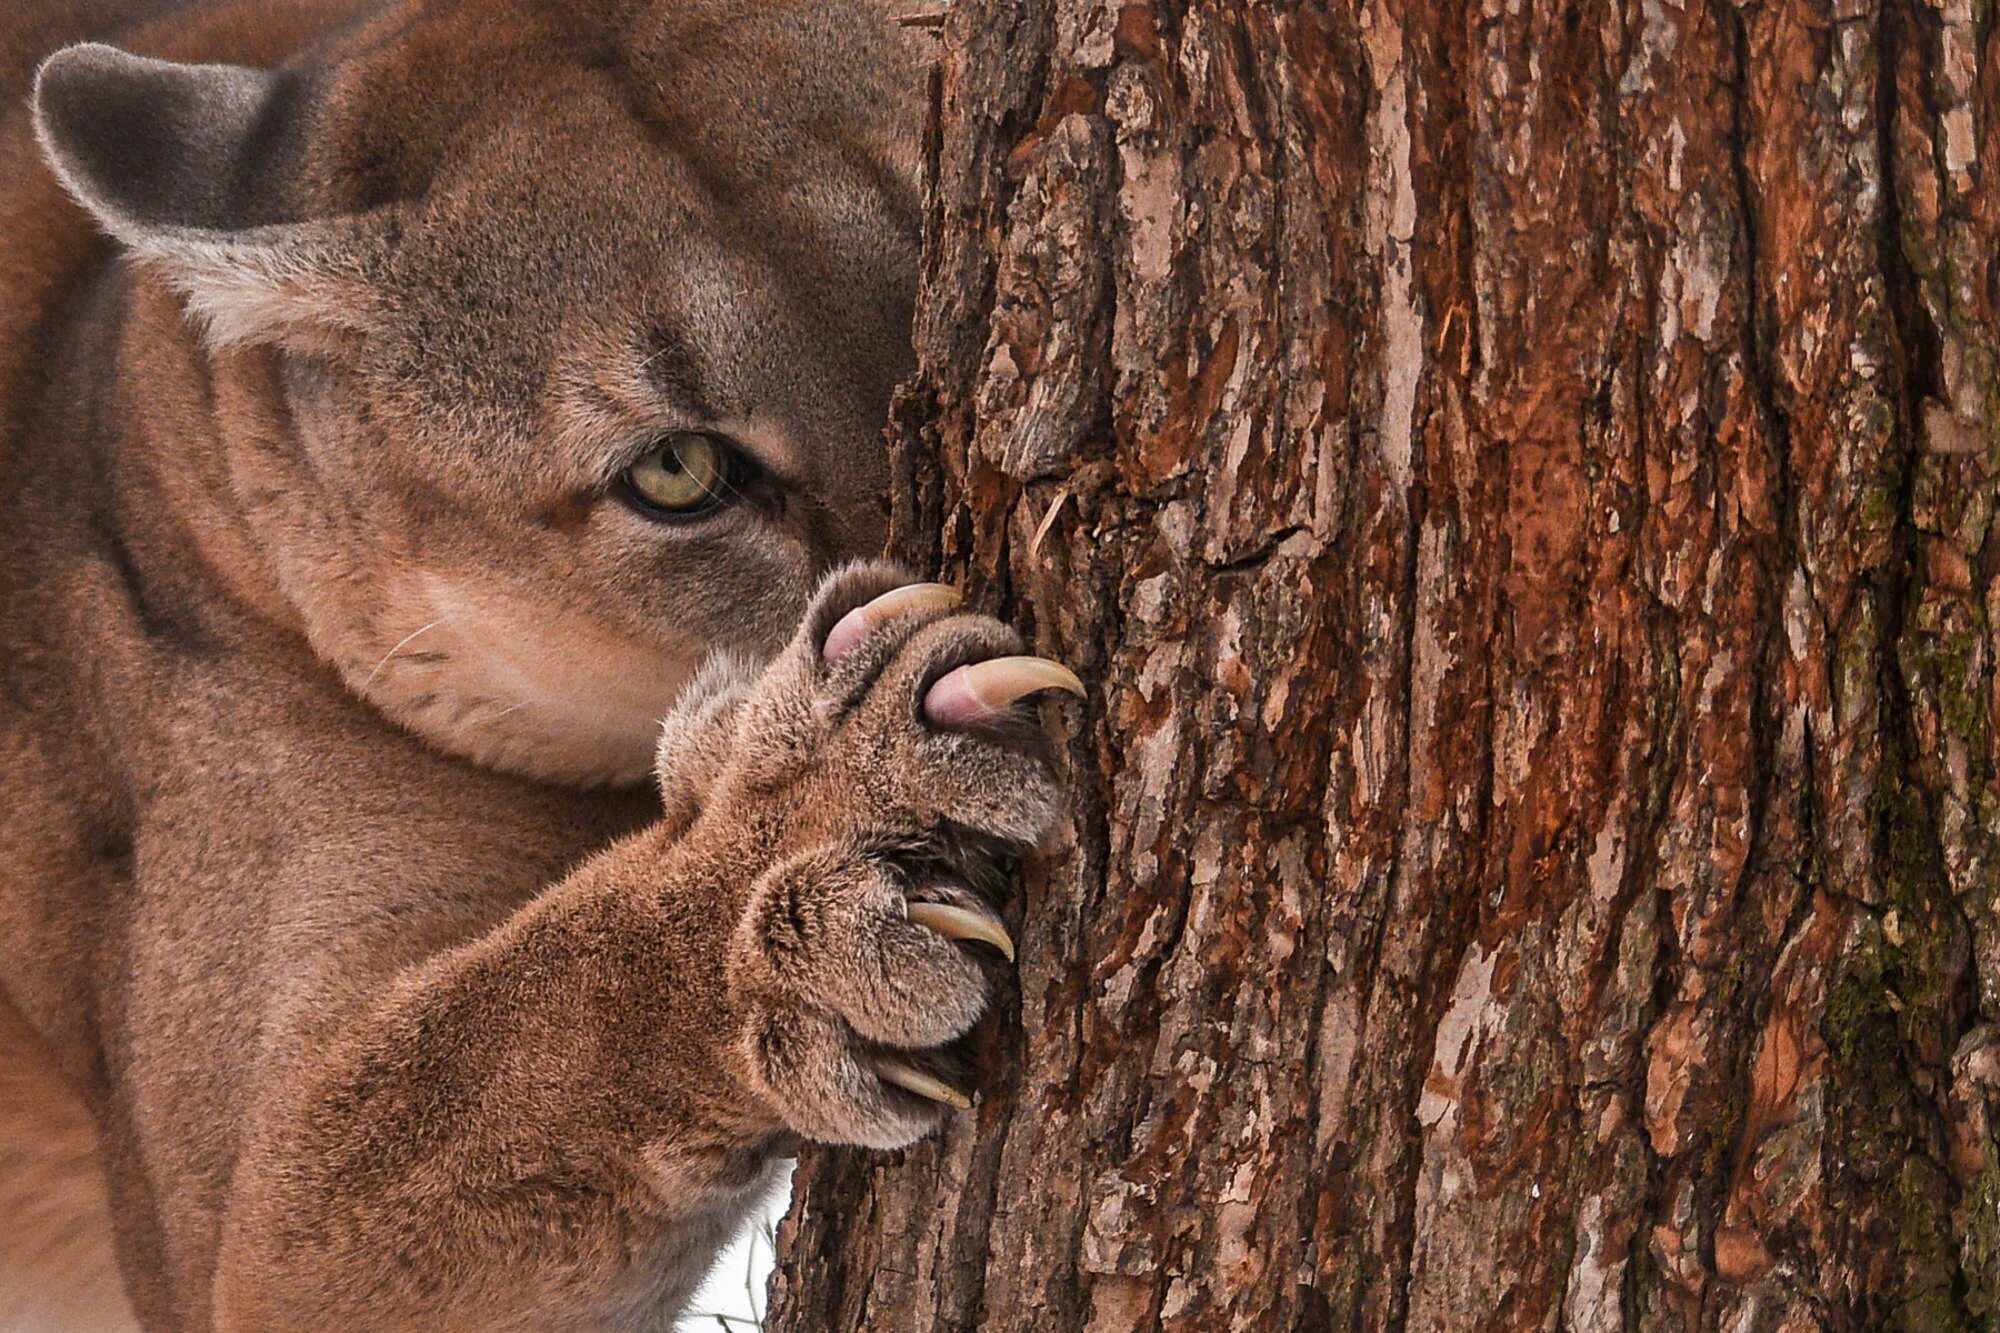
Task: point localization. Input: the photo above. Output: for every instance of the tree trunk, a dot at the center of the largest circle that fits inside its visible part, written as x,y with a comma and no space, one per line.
1521,485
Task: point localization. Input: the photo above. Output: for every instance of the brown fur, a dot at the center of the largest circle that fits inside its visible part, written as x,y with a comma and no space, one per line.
331,661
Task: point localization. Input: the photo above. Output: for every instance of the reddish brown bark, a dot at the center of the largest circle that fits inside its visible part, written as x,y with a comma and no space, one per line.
1521,482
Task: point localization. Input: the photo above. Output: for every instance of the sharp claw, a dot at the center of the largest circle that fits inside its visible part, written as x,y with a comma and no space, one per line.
917,1081
973,694
853,627
960,923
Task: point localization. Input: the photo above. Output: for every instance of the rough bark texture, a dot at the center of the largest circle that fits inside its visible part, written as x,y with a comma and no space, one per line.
1521,482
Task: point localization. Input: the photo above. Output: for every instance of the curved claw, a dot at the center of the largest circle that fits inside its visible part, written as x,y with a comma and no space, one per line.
985,690
917,1081
961,923
853,627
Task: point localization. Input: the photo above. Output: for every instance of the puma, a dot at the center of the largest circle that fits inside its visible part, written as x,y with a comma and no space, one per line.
470,805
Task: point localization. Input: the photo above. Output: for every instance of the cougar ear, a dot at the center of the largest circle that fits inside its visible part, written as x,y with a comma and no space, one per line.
193,168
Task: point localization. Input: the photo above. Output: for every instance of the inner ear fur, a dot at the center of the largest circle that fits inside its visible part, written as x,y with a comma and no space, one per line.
196,169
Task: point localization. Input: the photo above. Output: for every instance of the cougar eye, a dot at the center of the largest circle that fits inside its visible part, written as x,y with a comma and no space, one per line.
683,475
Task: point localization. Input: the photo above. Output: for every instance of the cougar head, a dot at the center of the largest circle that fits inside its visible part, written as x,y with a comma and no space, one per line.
553,338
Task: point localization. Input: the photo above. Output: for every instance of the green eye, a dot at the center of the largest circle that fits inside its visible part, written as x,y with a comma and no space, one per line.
684,474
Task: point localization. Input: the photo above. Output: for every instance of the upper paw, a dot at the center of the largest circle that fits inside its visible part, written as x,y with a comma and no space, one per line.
897,711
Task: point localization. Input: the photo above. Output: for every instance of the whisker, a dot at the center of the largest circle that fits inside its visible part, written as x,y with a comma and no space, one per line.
405,642
729,488
495,717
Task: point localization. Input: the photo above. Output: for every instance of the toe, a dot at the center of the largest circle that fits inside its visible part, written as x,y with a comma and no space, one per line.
845,589
835,931
827,1086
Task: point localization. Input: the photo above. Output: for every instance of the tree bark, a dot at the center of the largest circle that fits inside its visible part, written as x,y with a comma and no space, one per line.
1520,480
